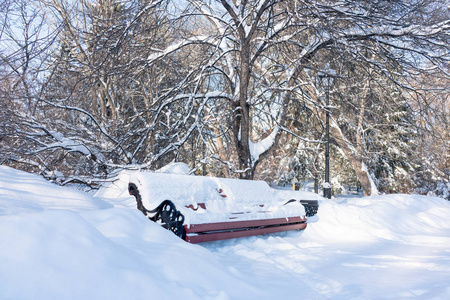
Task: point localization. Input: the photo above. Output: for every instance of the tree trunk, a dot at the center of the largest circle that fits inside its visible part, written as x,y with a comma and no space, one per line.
367,184
242,117
221,149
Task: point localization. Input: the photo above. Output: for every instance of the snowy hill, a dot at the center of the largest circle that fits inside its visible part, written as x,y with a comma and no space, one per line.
58,243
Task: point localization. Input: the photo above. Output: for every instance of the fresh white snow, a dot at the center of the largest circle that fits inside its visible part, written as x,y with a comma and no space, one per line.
222,197
59,243
256,149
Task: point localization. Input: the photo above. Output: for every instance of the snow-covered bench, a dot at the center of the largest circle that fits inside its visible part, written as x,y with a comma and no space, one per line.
200,209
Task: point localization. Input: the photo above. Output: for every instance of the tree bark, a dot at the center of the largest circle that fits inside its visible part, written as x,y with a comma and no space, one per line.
242,117
367,184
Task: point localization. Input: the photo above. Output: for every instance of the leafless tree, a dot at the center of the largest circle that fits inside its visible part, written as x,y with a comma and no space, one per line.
271,51
219,82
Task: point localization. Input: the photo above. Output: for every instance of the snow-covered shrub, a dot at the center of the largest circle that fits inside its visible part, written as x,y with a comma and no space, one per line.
442,190
337,188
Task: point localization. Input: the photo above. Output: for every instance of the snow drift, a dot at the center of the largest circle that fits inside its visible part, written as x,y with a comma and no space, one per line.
58,243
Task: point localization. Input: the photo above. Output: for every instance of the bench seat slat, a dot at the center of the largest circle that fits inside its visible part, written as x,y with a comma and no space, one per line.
193,228
216,236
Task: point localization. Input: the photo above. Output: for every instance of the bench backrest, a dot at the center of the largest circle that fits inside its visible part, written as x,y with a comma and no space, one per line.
215,193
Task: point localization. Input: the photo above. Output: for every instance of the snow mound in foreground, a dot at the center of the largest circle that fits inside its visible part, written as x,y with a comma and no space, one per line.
58,243
112,254
51,250
21,192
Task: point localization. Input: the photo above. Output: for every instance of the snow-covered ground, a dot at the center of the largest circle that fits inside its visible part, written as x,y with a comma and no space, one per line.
59,243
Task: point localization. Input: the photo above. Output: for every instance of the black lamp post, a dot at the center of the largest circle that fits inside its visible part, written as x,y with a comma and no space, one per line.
327,184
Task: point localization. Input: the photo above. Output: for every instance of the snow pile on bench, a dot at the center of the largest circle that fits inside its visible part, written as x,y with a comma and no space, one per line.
210,199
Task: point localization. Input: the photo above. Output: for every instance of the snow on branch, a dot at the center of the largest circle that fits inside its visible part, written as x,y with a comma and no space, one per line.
102,130
394,31
65,143
60,141
200,39
300,137
257,149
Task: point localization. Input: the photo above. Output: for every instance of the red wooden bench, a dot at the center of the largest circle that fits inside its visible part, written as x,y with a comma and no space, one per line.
202,209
